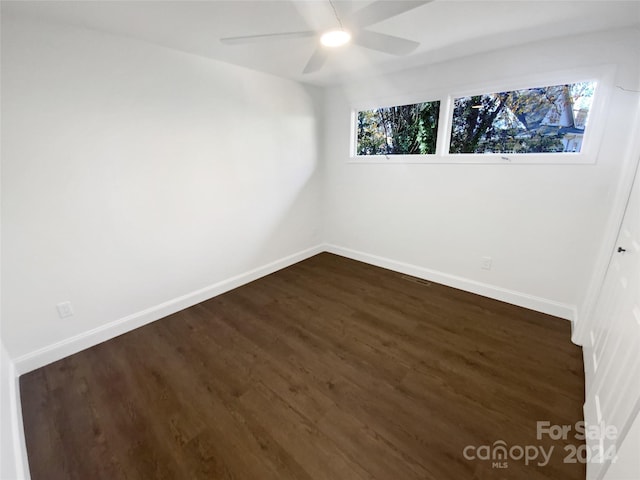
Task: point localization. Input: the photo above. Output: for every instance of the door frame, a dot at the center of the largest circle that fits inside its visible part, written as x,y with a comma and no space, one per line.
583,316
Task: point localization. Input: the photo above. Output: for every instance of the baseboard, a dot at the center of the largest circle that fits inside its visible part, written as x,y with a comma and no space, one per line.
520,299
20,460
575,337
59,350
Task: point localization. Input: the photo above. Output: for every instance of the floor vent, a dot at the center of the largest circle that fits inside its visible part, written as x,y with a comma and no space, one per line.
417,280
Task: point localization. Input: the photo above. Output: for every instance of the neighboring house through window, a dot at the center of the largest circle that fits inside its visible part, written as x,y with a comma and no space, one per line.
548,119
558,122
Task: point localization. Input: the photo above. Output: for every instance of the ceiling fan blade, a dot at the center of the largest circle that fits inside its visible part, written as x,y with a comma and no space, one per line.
266,37
381,10
384,43
316,61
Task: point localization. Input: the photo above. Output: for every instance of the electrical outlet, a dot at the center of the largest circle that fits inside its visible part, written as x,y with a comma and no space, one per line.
65,309
485,263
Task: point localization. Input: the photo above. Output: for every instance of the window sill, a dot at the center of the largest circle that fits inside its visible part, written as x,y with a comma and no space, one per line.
485,159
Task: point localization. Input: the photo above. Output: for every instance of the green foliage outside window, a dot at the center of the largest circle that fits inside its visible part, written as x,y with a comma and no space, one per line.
399,130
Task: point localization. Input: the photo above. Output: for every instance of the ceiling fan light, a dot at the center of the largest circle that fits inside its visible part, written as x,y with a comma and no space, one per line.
335,38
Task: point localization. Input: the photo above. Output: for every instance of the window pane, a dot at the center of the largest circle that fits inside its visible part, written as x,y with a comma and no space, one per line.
400,130
534,120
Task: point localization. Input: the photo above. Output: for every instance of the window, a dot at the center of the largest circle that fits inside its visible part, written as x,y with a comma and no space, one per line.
398,130
550,119
541,118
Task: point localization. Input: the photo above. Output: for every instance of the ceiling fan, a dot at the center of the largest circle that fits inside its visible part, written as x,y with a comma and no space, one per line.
353,30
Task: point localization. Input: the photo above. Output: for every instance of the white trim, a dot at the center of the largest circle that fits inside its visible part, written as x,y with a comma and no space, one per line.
57,351
568,158
17,427
51,353
574,323
520,299
630,164
603,75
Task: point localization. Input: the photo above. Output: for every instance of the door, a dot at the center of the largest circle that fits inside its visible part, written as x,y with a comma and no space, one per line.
613,348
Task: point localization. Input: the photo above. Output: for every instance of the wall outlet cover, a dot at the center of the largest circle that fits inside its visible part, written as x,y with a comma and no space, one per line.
64,309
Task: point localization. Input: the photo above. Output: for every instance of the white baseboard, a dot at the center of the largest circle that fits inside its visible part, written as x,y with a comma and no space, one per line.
19,464
575,336
59,350
520,299
19,442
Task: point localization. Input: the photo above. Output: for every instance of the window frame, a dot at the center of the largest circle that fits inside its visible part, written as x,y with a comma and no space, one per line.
603,76
397,100
356,114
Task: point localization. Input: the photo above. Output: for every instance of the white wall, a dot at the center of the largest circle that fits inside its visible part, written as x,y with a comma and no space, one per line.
134,175
542,224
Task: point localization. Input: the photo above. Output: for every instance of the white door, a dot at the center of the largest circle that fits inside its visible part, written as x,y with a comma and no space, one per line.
612,349
627,466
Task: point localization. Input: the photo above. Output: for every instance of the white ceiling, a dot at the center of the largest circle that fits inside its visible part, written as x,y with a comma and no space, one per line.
444,28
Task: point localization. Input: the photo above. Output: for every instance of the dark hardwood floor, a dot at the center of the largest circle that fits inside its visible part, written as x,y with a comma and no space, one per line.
329,369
